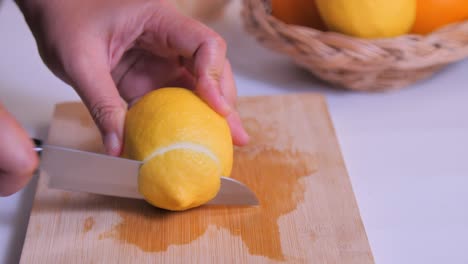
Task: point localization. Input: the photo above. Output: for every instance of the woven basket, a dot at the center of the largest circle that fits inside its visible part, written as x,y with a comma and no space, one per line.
354,63
203,10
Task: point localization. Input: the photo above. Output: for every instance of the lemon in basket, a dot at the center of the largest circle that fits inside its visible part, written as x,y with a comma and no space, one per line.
186,147
368,18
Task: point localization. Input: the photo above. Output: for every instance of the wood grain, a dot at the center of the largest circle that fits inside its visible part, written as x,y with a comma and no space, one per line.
308,213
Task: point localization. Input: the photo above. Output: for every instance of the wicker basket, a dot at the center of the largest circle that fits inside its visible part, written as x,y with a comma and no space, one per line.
203,10
354,63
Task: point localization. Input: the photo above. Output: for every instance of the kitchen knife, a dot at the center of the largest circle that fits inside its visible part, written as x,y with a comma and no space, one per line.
82,171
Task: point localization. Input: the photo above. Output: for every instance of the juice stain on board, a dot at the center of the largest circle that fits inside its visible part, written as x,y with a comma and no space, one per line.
272,174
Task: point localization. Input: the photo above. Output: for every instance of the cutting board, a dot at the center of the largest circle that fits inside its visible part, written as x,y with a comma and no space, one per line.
307,213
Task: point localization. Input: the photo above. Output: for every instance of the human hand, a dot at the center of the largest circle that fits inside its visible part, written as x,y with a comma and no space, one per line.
112,50
18,159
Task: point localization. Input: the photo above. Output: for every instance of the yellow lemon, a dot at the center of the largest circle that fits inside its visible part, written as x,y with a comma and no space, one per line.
368,18
186,147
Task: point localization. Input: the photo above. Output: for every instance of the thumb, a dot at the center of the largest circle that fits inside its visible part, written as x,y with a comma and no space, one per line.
92,80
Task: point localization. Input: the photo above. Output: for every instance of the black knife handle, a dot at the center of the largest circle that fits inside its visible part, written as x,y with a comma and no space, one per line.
37,145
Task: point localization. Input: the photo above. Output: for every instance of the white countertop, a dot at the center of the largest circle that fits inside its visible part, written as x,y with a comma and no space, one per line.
406,152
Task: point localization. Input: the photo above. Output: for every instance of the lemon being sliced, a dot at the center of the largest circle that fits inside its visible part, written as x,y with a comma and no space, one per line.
185,145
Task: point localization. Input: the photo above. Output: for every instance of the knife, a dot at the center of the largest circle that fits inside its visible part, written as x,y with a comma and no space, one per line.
81,171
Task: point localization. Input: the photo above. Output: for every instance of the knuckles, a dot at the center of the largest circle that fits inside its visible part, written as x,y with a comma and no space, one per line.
102,112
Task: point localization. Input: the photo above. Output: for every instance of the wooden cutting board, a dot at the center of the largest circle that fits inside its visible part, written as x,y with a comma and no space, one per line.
308,212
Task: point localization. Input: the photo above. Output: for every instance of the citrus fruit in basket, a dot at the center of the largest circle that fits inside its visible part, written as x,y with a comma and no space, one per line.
186,147
368,18
298,12
433,14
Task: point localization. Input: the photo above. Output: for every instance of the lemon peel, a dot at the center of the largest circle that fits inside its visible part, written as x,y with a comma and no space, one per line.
185,146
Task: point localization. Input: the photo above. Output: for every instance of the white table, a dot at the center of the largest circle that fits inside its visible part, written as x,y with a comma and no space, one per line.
406,152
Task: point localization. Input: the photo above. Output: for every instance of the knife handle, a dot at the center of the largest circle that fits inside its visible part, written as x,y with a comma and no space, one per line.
37,145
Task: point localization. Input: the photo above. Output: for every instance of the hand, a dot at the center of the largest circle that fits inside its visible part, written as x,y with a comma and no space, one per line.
112,50
18,159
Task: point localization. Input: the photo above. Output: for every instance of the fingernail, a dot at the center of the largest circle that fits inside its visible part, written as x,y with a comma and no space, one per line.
112,144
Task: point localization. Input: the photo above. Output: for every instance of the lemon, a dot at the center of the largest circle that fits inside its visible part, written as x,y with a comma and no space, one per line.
185,145
368,18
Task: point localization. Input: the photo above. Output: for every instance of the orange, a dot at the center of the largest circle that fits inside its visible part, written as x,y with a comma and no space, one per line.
433,14
298,12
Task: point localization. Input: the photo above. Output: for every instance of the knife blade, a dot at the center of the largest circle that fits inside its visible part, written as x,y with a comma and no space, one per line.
81,171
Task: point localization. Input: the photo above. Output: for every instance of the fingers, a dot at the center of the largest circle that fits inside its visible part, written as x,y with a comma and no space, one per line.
203,51
91,78
239,136
228,88
18,159
209,60
140,72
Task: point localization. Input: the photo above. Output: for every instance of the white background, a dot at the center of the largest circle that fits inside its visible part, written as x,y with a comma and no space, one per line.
406,152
